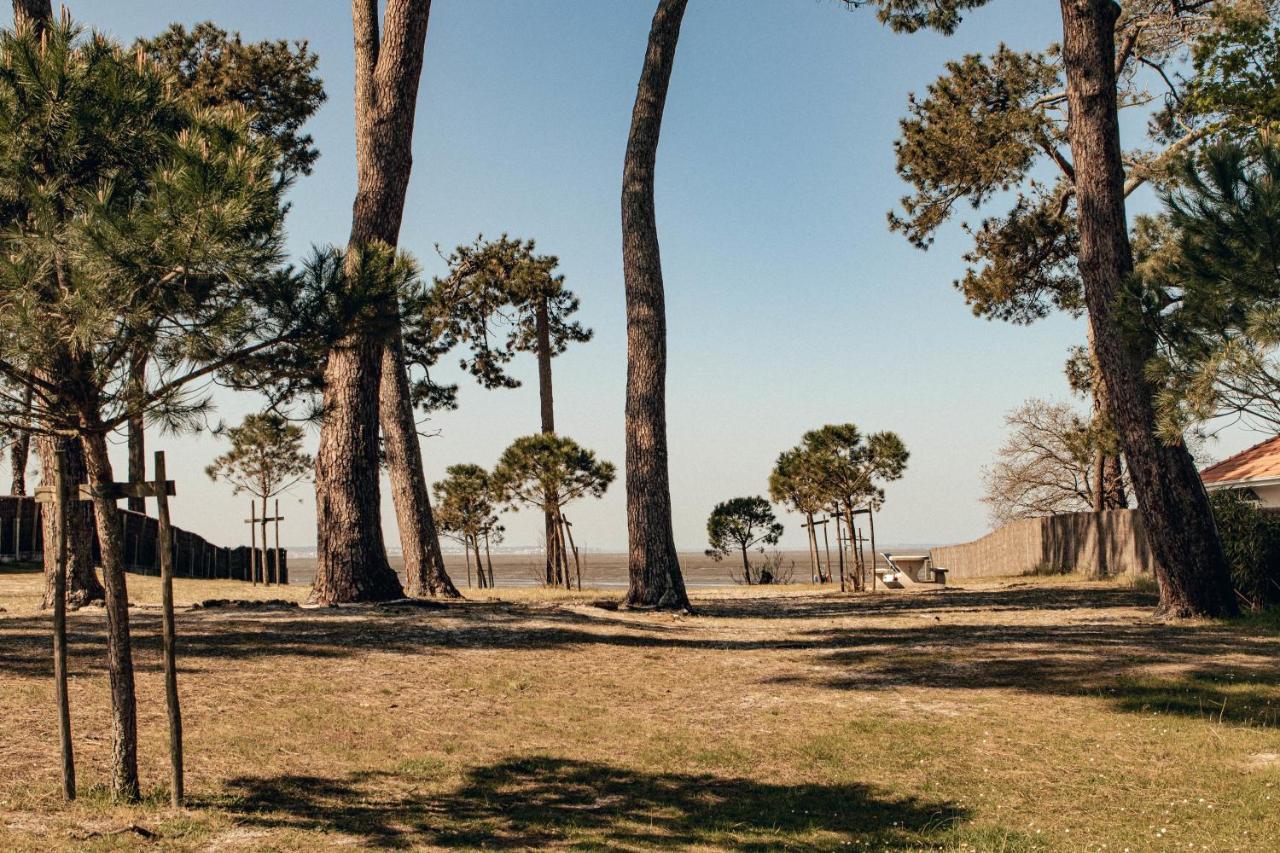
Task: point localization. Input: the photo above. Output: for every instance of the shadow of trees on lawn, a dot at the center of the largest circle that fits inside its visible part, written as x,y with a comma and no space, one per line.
545,802
1230,672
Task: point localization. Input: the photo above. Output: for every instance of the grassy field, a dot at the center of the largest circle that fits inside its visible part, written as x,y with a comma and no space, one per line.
1038,713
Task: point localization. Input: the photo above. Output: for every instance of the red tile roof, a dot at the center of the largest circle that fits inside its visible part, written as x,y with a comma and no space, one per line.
1260,462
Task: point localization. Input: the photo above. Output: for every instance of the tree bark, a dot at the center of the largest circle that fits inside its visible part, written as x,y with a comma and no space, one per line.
20,452
546,400
419,539
136,429
82,585
746,567
653,565
352,560
1171,498
124,714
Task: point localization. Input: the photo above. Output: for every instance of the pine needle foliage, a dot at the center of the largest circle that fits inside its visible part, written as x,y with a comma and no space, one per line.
266,456
549,471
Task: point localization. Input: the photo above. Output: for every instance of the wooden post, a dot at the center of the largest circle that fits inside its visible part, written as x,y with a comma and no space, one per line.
577,565
488,558
275,570
840,548
826,543
253,543
466,549
871,522
170,635
60,630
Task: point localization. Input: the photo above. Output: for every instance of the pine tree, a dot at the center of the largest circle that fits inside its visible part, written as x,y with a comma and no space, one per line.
108,177
549,472
738,524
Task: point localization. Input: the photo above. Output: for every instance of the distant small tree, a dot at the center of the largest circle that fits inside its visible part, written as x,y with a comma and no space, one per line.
549,471
854,466
797,482
739,524
265,459
465,510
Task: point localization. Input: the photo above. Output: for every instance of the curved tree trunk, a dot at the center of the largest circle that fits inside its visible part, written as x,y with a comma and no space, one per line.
1171,498
653,566
351,556
124,713
419,539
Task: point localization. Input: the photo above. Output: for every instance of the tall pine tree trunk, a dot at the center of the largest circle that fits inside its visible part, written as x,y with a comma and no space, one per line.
124,713
1175,510
652,564
546,400
136,430
419,539
352,560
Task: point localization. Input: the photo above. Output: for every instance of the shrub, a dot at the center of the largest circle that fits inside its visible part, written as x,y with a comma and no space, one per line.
1251,540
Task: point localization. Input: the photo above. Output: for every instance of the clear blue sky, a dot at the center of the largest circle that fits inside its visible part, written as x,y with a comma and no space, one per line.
789,303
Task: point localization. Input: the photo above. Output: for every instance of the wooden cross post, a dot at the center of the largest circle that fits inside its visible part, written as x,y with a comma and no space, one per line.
58,497
871,523
160,489
812,525
840,548
577,564
276,561
252,521
256,564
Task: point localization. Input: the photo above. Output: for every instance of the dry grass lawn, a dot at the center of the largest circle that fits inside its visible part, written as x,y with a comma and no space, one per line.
1027,714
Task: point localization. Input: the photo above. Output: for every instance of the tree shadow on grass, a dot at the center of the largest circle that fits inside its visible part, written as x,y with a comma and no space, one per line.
953,641
1010,598
551,802
1223,673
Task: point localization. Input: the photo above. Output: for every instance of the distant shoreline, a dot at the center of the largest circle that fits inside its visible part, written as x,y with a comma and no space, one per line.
599,570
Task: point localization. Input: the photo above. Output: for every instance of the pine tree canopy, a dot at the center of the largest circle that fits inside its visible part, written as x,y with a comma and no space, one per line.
266,456
133,221
739,523
994,126
274,81
465,503
852,464
549,471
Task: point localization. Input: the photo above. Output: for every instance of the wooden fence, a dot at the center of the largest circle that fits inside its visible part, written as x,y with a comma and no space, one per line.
1080,542
22,538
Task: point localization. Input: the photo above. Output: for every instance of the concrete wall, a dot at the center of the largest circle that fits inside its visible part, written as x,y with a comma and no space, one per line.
22,538
1068,542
